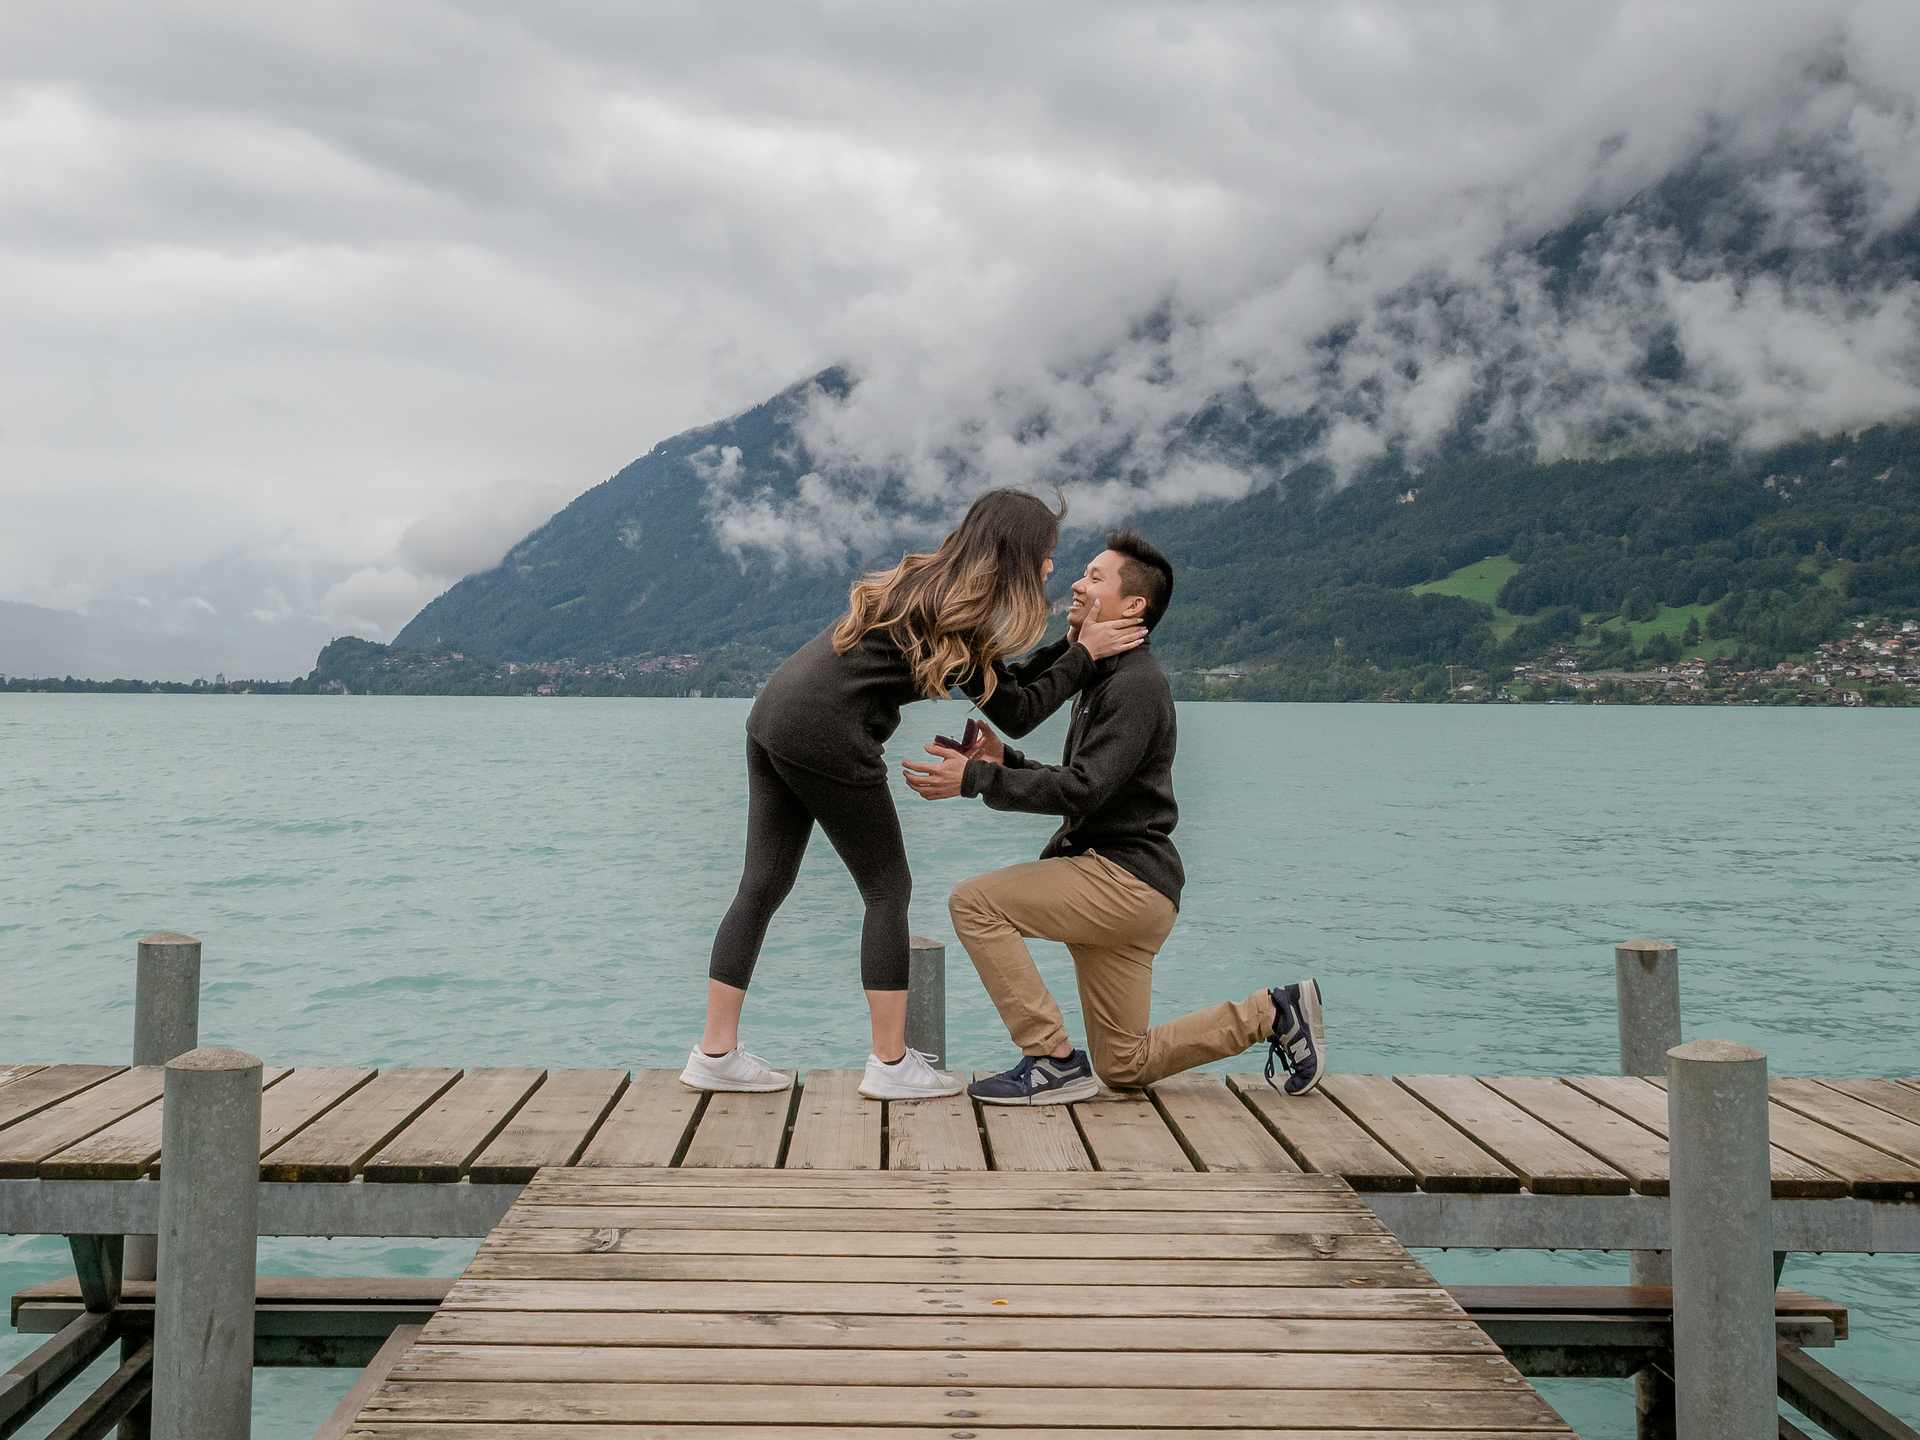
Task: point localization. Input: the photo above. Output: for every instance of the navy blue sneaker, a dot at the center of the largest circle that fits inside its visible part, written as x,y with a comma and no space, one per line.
1298,1044
1039,1080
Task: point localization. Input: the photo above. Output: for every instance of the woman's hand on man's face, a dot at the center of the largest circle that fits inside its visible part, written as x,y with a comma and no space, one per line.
1108,637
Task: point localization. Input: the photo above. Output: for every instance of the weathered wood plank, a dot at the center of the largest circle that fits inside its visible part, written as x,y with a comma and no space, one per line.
11,1073
533,1430
1011,1301
1871,1174
978,1406
1217,1130
556,1187
1855,1118
740,1130
438,1144
1349,1242
552,1128
1626,1145
941,1269
1032,1137
835,1127
27,1143
1896,1097
997,1181
1322,1137
1549,1163
1073,1369
935,1135
125,1149
47,1086
536,1430
1124,1132
385,1359
335,1146
648,1125
880,1217
1440,1157
1644,1102
303,1097
1374,1335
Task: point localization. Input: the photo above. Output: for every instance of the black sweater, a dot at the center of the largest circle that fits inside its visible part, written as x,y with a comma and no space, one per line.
833,713
1115,783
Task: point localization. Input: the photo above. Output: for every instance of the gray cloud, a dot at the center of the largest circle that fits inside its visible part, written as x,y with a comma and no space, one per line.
337,302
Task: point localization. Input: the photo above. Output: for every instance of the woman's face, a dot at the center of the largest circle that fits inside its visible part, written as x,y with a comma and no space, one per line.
1046,569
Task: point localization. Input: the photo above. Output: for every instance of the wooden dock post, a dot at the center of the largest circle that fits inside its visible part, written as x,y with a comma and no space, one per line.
209,1235
166,1023
1723,1313
1646,977
927,997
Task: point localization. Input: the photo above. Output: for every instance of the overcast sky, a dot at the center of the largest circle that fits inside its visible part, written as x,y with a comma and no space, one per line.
306,311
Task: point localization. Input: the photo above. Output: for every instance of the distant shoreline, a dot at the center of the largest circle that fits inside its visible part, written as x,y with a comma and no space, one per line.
1779,698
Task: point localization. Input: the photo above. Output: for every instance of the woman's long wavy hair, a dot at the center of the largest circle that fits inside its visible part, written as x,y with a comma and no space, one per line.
976,599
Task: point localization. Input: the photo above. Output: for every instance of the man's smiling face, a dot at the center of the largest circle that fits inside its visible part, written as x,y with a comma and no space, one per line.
1102,582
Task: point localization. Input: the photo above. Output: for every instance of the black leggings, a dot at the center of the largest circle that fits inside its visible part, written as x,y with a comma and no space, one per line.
783,801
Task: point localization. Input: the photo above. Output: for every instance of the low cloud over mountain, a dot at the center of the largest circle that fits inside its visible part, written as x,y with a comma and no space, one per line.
341,304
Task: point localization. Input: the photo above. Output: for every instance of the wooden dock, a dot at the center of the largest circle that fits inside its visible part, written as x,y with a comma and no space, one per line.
850,1303
1571,1135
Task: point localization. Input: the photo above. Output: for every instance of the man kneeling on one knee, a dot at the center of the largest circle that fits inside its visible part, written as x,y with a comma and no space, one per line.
1108,882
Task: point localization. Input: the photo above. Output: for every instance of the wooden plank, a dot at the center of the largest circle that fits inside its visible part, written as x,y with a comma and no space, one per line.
1869,1173
740,1131
1858,1119
899,1217
1373,1335
835,1127
978,1406
1549,1163
1123,1131
1321,1136
385,1359
1032,1137
1217,1130
567,1430
1011,1301
30,1094
1628,1300
1640,1100
1073,1369
942,1269
552,1128
1893,1096
27,1143
648,1125
557,1187
437,1145
125,1149
334,1147
998,1181
935,1135
1440,1157
1372,1244
303,1097
1629,1147
11,1073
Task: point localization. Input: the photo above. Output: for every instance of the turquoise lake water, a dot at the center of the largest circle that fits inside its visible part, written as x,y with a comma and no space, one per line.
471,881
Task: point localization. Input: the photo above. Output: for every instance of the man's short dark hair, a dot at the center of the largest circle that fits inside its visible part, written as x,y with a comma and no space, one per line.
1144,572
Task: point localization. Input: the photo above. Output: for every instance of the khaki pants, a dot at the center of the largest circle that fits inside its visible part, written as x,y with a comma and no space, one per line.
1113,924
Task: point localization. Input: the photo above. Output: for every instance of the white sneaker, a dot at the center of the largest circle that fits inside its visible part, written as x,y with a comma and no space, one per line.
912,1078
736,1070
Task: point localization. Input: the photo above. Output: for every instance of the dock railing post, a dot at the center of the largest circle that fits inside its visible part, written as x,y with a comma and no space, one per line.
166,1023
209,1235
1723,1307
1646,977
927,997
